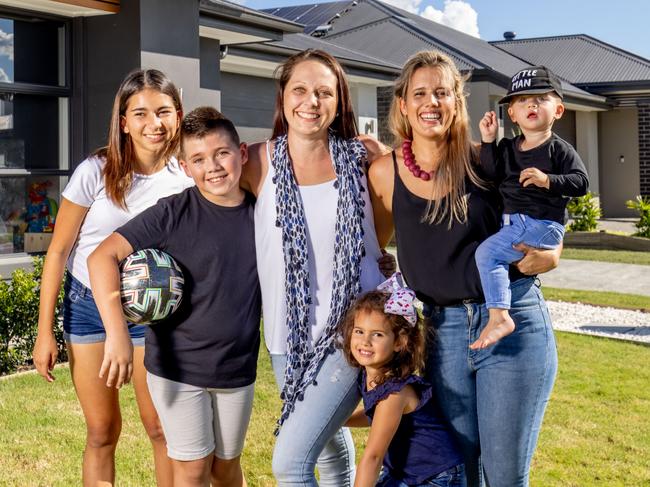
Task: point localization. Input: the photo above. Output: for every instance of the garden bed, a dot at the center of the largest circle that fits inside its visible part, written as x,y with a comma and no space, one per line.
606,241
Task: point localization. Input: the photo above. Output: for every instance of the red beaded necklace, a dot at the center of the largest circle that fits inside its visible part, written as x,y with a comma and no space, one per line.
409,162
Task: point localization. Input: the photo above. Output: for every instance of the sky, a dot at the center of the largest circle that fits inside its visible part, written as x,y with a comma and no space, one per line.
622,23
6,50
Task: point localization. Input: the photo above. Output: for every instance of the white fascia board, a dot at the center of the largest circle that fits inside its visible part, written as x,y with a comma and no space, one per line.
582,108
249,66
55,8
226,37
353,78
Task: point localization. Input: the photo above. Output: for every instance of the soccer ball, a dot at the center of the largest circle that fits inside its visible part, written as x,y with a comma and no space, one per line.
151,286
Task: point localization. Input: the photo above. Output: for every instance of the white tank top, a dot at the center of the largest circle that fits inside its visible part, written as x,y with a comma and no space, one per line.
319,202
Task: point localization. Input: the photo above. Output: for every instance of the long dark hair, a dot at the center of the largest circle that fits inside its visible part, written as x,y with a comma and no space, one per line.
345,124
119,153
410,358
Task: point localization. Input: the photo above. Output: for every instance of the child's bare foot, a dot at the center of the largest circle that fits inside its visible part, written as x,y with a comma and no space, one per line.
499,325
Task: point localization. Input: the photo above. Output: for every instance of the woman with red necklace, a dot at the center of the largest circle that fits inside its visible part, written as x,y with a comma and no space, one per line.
431,193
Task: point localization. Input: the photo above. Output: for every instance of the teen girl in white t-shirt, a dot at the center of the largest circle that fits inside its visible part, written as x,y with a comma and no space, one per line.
130,174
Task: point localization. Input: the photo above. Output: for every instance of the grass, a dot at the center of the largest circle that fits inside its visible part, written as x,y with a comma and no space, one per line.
598,298
616,256
595,432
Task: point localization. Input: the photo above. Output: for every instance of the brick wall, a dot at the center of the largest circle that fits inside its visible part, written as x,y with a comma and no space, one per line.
384,98
644,147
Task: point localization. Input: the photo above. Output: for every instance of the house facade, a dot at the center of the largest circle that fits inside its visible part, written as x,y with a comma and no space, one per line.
619,136
606,89
61,62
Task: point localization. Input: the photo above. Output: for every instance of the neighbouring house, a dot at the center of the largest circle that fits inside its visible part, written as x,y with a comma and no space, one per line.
607,90
619,137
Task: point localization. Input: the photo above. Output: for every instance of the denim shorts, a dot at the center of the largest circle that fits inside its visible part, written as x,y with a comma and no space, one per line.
81,320
452,477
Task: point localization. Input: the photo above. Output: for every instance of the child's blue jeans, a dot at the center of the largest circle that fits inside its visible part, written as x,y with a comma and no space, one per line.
496,253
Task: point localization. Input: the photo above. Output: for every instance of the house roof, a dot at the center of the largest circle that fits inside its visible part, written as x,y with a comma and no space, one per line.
244,15
623,77
580,59
312,15
354,62
298,42
391,34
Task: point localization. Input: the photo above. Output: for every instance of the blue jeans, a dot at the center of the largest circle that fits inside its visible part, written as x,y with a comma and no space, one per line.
494,398
313,431
495,254
81,320
453,477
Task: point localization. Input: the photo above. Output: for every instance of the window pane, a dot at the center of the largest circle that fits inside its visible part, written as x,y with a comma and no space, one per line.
32,51
27,204
33,132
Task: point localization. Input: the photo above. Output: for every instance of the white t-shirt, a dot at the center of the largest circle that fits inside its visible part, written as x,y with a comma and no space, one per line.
86,188
319,202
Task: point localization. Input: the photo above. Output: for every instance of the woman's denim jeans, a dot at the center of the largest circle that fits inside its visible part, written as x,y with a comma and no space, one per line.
313,432
494,399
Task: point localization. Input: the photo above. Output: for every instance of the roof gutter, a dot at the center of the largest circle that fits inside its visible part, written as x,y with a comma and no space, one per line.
244,15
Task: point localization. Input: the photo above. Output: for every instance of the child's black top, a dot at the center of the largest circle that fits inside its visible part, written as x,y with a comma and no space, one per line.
422,446
555,157
213,338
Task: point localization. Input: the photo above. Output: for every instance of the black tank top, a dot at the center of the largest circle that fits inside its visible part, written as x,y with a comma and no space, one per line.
436,261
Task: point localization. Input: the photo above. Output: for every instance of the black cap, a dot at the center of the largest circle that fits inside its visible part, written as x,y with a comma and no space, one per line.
535,80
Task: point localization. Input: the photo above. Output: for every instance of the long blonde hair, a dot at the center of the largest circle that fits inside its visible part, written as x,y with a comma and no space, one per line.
448,199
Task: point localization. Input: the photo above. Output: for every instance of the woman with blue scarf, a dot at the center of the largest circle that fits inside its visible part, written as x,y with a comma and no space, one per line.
316,251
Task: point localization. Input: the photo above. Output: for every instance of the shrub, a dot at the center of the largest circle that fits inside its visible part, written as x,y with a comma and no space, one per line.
19,299
642,205
585,213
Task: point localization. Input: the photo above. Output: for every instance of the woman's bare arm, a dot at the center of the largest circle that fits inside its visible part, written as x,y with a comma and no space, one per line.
255,169
380,185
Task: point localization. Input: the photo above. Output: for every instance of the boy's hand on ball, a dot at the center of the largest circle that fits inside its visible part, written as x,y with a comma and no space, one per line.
534,176
117,365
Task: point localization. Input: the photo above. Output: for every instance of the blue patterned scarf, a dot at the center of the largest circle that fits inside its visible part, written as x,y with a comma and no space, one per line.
303,361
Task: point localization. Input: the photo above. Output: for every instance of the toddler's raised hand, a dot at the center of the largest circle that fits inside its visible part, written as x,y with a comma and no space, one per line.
489,125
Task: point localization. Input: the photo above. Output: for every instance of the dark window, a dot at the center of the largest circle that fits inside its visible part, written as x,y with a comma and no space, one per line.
34,127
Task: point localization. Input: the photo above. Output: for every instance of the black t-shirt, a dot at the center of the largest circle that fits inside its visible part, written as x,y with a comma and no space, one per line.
213,338
555,157
437,261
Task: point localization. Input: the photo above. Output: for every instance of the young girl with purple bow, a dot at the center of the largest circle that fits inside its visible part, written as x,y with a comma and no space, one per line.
382,335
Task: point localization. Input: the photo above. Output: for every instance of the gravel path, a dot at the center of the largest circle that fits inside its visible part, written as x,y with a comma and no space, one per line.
601,321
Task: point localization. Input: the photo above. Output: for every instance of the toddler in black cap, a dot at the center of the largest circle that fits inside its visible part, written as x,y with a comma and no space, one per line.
537,172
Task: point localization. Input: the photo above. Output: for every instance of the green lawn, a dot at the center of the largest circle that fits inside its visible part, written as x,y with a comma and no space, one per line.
596,430
598,298
616,256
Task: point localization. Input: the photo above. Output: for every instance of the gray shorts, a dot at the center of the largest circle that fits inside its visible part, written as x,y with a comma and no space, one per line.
199,421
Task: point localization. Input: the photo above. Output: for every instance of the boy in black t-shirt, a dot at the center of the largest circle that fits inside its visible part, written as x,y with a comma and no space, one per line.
537,172
201,362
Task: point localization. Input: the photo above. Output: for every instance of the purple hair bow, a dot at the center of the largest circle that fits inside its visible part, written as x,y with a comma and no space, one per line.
401,298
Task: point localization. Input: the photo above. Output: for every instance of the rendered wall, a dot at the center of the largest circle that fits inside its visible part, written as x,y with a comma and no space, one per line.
618,136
